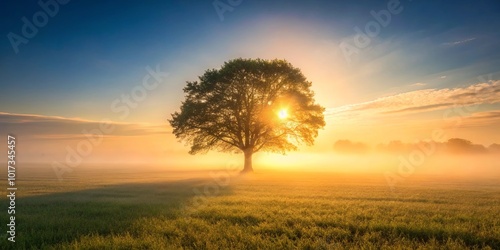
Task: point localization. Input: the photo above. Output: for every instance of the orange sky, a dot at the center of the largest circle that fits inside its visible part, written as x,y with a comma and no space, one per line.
468,112
386,95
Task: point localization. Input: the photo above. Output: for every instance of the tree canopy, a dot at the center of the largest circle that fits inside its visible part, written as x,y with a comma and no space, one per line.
249,105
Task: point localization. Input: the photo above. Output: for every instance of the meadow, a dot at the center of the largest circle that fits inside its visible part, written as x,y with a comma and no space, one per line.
141,208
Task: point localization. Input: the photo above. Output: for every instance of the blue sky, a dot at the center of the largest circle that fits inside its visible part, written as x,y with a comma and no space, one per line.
92,52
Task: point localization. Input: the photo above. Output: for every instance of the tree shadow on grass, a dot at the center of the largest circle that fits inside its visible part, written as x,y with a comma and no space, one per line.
48,220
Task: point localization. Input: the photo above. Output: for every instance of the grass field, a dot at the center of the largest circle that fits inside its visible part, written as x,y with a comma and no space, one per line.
126,209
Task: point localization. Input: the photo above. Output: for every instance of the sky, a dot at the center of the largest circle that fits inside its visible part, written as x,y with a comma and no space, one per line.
384,70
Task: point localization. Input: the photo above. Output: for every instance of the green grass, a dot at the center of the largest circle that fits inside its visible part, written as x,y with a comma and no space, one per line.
94,209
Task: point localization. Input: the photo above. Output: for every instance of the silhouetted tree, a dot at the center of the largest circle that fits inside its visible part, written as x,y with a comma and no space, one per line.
494,148
461,146
249,105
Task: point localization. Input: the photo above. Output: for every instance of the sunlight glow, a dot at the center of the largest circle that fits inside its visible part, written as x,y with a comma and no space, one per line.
283,114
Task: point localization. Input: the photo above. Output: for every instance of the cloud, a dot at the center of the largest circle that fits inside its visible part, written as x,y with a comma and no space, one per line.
455,43
61,128
485,115
481,119
463,95
420,108
51,138
418,84
422,100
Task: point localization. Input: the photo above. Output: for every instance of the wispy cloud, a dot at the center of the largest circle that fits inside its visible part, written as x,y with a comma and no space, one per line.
56,127
460,42
418,84
420,108
482,119
423,100
486,115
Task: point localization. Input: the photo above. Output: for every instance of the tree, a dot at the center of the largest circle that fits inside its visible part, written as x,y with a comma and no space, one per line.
494,148
460,146
248,105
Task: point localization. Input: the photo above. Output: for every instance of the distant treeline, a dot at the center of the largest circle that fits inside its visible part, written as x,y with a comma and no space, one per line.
452,146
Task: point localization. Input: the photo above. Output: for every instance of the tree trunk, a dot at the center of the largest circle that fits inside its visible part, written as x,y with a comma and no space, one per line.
248,161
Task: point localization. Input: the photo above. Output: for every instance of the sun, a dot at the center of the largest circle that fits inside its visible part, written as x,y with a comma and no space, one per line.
283,114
